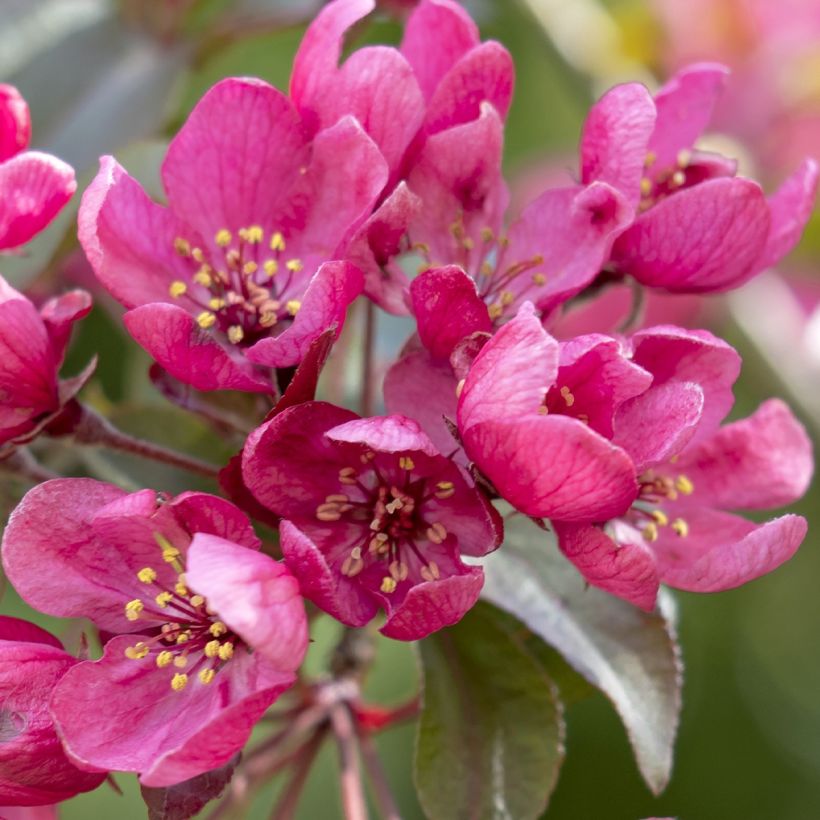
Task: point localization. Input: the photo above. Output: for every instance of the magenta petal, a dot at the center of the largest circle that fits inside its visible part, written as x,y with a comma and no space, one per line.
190,354
438,33
673,354
485,74
570,232
724,551
790,209
658,424
705,238
511,374
760,462
553,467
331,591
433,605
623,569
128,239
254,595
616,139
425,389
387,434
172,736
203,512
685,106
447,308
34,187
236,159
60,313
324,306
16,629
15,122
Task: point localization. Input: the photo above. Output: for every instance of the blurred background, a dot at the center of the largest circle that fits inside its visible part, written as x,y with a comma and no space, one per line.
119,77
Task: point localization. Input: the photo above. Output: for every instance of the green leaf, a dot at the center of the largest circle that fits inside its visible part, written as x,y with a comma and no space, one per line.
630,655
490,738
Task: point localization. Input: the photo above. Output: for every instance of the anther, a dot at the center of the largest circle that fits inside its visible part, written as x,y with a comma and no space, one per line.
271,267
179,681
206,676
206,319
378,543
650,532
177,289
147,575
567,395
436,533
487,235
250,267
680,527
197,600
678,178
660,517
181,661
203,277
388,585
133,609
217,628
223,238
292,306
507,298
184,636
277,242
164,659
198,255
650,158
646,186
459,387
294,265
684,158
235,334
182,246
398,570
445,489
226,651
406,463
495,310
430,572
216,303
684,485
539,279
347,475
337,498
211,649
163,599
254,234
180,588
137,652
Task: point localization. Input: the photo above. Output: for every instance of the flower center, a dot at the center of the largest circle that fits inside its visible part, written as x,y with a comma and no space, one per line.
244,293
388,502
659,184
190,639
647,516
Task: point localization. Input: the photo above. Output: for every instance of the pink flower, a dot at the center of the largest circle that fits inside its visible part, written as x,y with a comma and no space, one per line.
34,770
678,532
32,348
34,186
537,419
373,516
700,228
208,630
233,277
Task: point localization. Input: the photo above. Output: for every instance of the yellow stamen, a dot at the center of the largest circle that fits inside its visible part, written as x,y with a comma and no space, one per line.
223,238
271,267
678,178
137,652
292,306
459,387
277,242
181,661
182,246
684,158
431,572
180,588
179,681
507,298
163,599
250,267
347,475
197,600
206,320
487,235
566,393
217,628
445,489
198,255
650,532
646,186
133,609
207,675
660,517
436,533
539,278
388,585
225,651
680,527
495,310
203,277
211,649
216,303
177,289
651,156
406,463
684,485
294,265
235,334
184,637
147,575
164,659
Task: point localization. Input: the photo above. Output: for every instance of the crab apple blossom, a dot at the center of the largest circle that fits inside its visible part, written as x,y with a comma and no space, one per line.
372,516
32,347
681,530
34,769
207,630
34,186
244,268
699,227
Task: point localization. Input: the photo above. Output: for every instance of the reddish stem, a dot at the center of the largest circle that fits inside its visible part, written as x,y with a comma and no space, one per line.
350,774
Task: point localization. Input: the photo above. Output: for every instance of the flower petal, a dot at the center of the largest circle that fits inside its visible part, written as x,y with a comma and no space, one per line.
59,315
387,434
15,122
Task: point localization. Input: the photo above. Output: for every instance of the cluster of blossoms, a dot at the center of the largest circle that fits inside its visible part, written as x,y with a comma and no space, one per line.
282,209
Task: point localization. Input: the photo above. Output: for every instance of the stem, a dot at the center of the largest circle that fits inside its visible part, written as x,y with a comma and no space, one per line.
350,774
378,778
22,463
285,807
367,358
638,309
93,429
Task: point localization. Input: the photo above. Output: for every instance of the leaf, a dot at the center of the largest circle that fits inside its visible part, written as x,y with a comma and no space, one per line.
490,737
188,798
630,655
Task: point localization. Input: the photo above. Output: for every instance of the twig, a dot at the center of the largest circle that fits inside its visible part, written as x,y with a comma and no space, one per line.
285,807
367,358
637,310
378,778
22,463
350,774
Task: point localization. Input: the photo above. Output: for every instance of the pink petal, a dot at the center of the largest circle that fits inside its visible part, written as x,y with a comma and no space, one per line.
706,238
375,84
616,138
760,462
236,159
685,105
192,355
324,307
34,187
128,239
172,736
388,434
511,374
433,605
658,425
59,315
724,551
425,389
203,512
254,595
334,593
568,232
15,122
484,75
624,569
290,465
553,467
674,354
437,35
16,629
790,208
447,308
